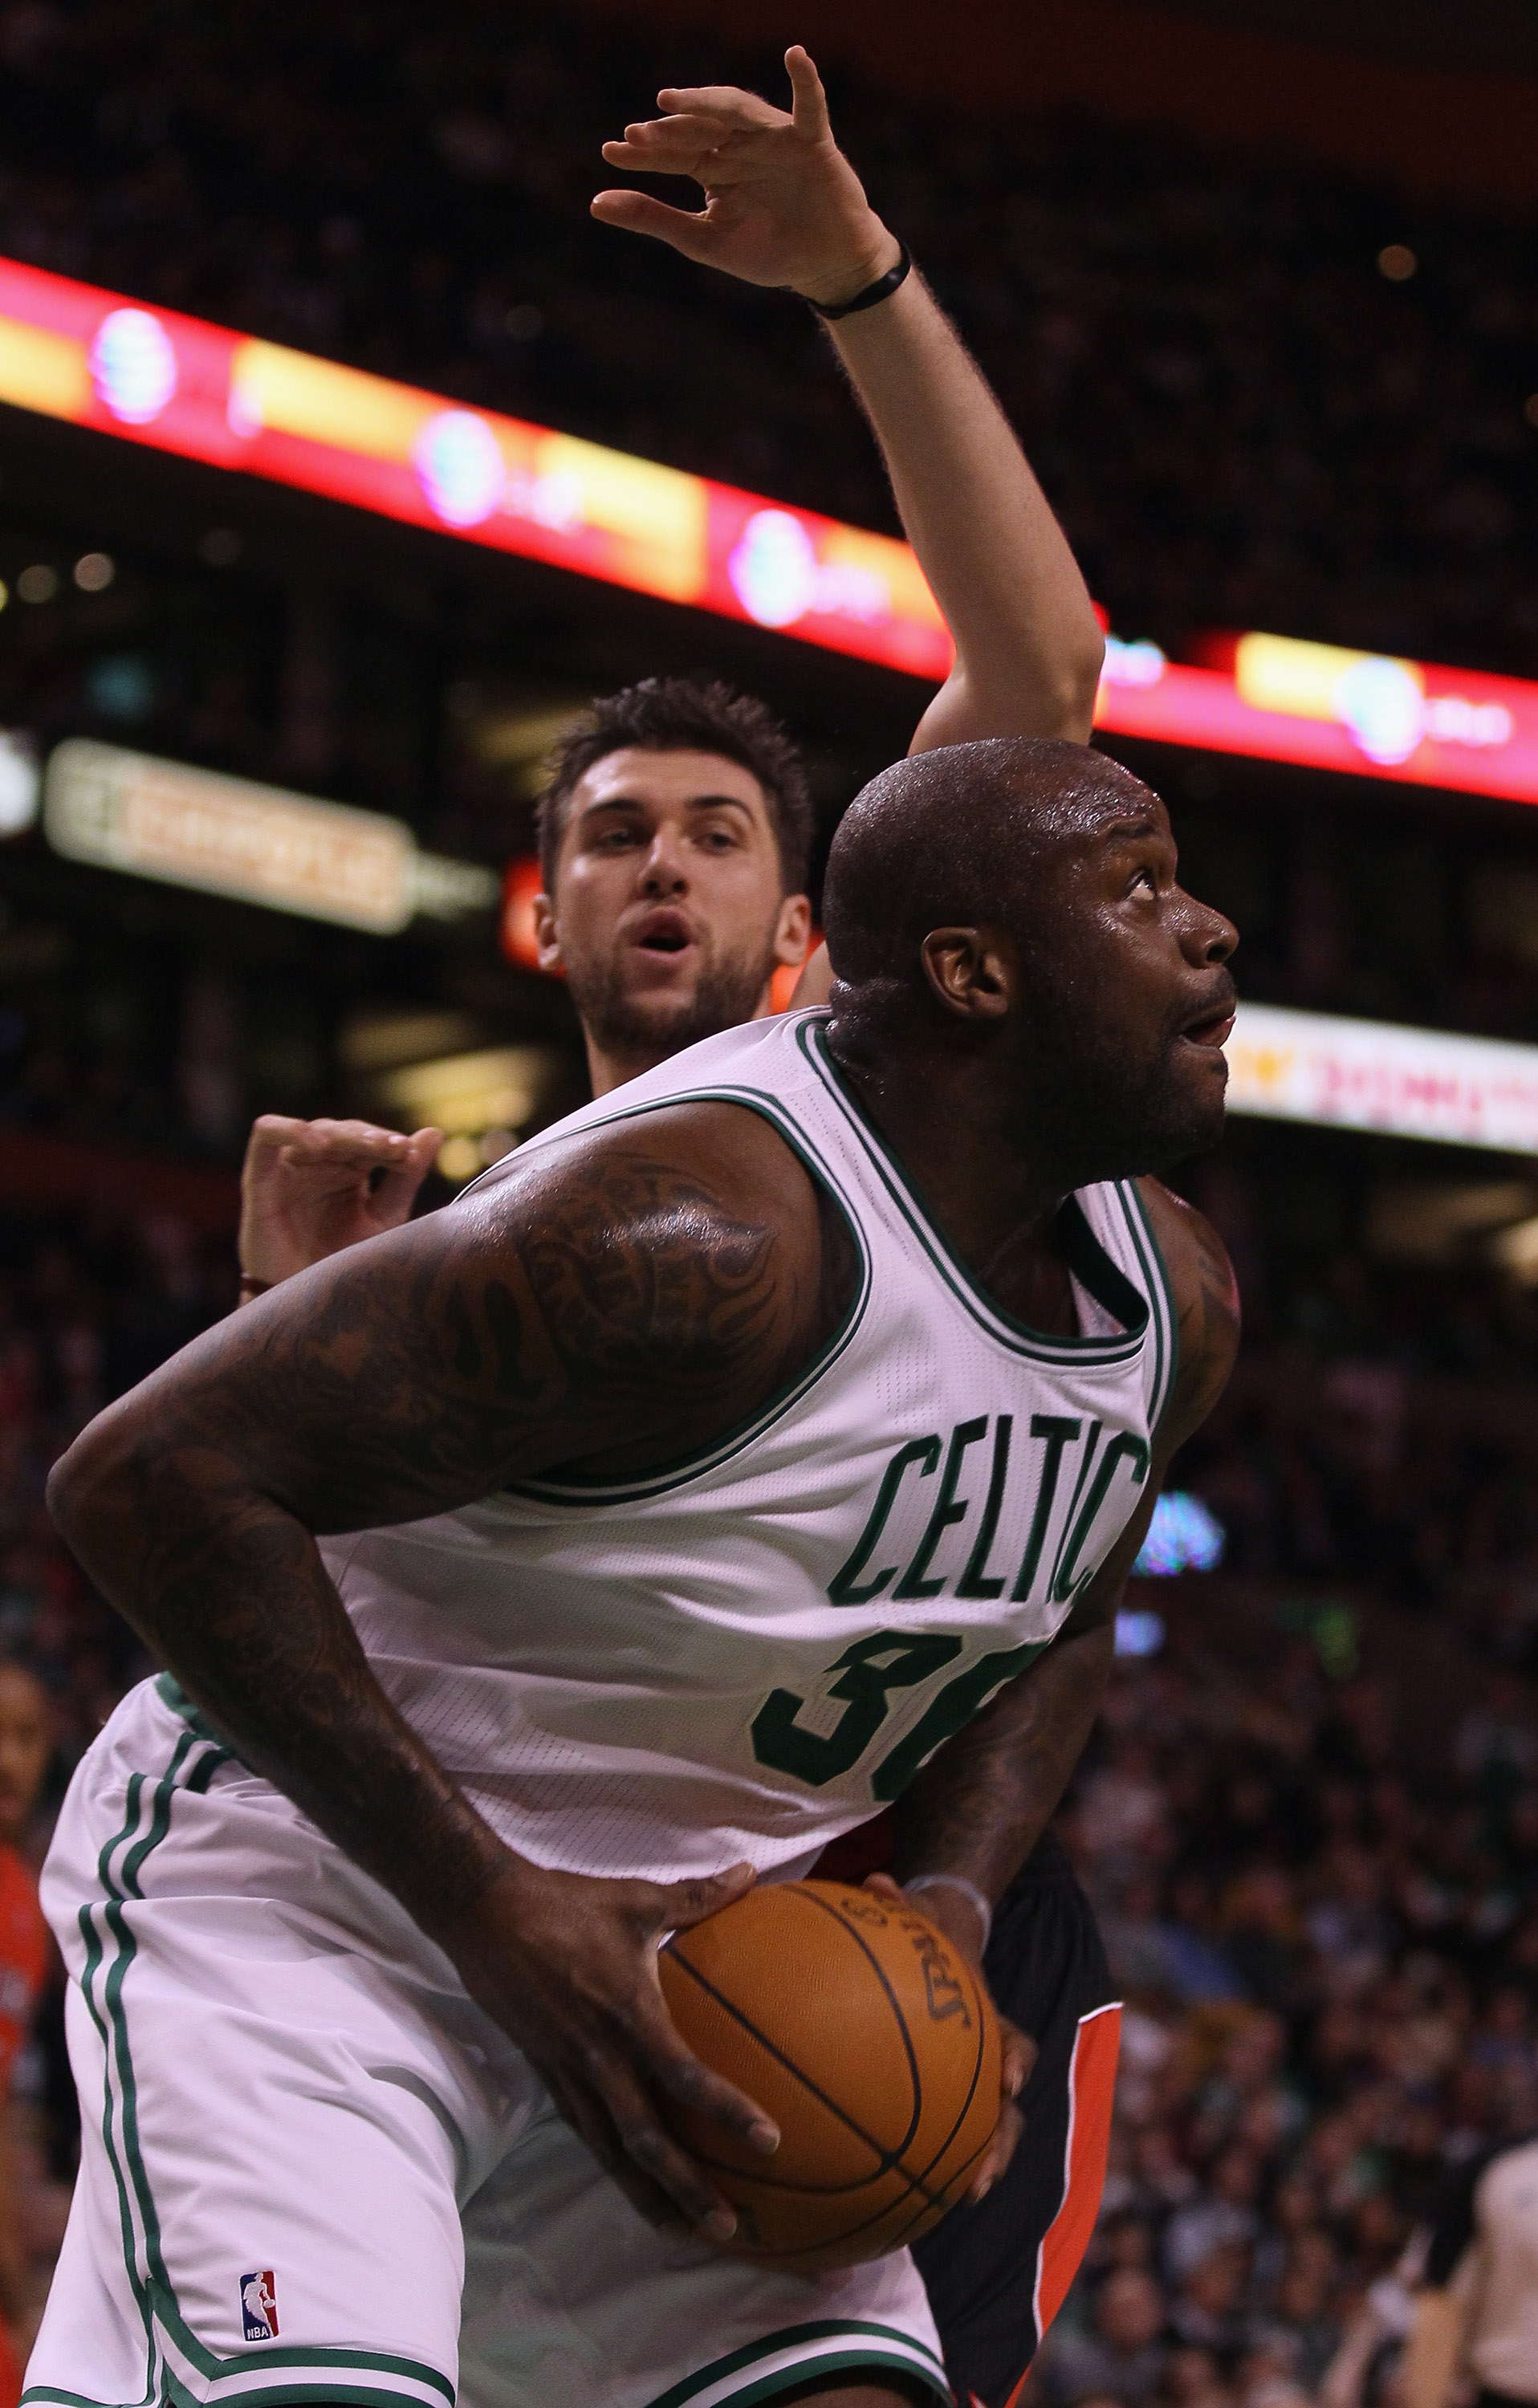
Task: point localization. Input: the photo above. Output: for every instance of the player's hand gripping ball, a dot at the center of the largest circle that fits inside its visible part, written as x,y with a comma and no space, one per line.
867,2037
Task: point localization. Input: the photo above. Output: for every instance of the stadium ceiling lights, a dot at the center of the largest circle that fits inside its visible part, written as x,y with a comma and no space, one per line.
179,385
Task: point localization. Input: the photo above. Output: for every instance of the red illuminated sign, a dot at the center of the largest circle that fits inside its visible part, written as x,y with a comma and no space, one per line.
179,385
153,377
1324,708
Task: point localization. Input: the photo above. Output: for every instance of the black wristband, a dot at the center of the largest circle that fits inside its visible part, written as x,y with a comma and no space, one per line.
872,294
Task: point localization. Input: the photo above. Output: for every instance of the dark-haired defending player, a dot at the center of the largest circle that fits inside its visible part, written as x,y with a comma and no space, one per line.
714,1470
784,209
674,839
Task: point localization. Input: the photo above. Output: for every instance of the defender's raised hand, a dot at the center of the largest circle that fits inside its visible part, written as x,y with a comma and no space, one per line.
782,205
311,1189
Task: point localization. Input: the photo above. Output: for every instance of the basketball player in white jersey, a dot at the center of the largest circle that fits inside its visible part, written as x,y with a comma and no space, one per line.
674,838
764,1443
673,834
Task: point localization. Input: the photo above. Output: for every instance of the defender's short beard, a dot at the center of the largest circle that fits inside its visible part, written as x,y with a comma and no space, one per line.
623,1023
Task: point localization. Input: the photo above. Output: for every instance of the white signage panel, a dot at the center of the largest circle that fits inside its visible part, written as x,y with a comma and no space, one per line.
1373,1074
227,835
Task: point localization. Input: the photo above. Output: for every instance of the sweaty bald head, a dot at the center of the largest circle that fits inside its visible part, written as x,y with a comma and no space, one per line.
1011,910
962,837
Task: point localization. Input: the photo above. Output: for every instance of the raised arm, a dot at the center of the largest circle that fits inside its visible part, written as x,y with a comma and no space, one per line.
783,206
613,1302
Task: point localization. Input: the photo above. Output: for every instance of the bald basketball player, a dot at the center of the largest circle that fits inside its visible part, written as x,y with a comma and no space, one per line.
769,1441
674,838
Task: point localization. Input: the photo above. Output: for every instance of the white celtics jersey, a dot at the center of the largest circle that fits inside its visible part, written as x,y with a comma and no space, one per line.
744,1655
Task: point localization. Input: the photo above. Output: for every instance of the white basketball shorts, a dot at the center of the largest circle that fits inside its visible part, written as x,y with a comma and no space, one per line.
288,2103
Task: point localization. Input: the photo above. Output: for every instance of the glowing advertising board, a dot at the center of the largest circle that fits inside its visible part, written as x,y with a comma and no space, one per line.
179,385
257,844
1275,698
1373,1074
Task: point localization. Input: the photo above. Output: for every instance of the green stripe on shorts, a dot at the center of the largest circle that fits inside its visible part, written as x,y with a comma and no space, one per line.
832,2346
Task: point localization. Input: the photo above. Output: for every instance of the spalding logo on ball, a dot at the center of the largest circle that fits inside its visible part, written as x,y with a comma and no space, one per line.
852,2022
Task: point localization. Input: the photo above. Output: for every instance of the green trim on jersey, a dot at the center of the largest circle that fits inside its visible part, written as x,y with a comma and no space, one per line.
1105,1279
1124,1192
304,2388
292,2355
872,2345
576,1490
1162,1287
51,2391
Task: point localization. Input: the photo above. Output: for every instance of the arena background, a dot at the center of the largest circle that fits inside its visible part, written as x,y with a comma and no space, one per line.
1255,284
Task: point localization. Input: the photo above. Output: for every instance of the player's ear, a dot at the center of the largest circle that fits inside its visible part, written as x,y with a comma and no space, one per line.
968,972
546,941
793,931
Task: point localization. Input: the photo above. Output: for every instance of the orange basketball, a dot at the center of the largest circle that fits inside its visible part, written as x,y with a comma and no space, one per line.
861,2031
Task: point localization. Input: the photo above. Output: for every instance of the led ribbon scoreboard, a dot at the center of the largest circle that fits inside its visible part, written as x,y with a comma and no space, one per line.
179,385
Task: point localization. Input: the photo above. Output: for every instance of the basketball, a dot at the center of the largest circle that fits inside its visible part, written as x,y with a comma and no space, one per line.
857,2025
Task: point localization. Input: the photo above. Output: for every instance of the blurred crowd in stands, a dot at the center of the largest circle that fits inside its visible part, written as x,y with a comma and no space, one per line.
1242,419
1310,1823
1327,1937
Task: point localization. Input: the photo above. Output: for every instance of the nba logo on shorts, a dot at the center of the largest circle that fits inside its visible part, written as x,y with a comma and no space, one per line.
259,2306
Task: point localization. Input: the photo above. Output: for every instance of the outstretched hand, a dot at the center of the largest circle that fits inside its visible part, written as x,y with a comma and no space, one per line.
782,205
311,1189
567,1966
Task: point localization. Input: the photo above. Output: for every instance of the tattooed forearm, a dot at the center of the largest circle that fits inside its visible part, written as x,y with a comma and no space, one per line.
617,1306
276,1663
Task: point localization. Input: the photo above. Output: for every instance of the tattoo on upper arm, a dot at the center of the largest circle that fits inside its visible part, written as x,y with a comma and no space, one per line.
645,1276
626,1298
629,1305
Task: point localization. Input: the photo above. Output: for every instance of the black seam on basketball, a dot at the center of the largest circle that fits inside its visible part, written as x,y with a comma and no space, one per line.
956,2185
798,2190
958,2182
979,2004
916,2229
810,1897
936,2207
935,2203
879,1969
889,2160
920,2177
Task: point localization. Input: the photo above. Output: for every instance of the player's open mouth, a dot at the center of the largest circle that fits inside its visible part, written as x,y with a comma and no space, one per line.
1214,1033
664,931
